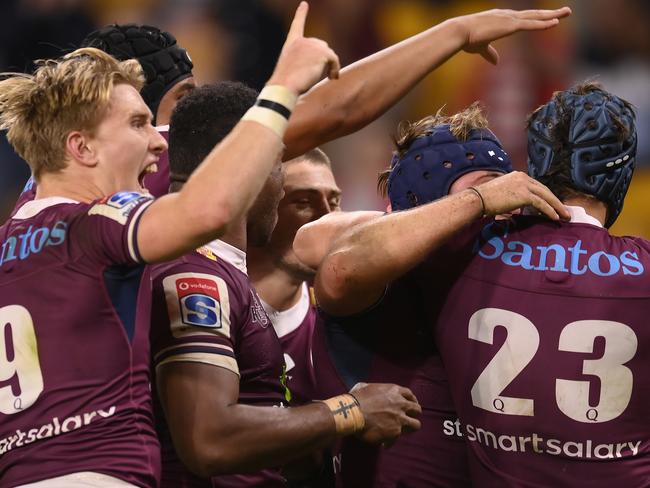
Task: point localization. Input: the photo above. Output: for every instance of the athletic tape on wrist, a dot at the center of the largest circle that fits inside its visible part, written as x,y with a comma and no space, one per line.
279,94
347,414
273,108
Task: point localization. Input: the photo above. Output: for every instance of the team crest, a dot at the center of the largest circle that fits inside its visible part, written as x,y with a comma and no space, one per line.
257,312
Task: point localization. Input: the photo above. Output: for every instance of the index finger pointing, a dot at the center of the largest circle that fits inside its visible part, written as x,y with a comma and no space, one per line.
297,28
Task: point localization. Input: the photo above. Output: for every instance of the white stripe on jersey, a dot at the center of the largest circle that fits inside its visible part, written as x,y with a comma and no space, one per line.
134,220
84,479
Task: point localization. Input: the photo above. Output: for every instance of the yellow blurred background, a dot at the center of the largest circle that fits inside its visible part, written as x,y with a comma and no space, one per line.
240,39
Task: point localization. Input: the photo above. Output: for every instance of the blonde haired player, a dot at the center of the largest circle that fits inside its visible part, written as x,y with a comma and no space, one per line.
75,405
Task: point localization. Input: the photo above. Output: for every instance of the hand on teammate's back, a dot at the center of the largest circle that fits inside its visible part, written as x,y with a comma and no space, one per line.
482,28
304,61
389,411
518,190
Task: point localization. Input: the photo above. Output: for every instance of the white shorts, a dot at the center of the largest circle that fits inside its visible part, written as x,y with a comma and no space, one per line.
85,479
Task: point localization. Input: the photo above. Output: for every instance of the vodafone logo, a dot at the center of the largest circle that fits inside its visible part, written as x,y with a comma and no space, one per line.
197,285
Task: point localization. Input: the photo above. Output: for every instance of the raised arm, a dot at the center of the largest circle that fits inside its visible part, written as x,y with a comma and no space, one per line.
313,240
369,256
369,87
224,187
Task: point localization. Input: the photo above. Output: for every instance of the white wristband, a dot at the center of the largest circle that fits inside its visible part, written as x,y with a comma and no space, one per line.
273,108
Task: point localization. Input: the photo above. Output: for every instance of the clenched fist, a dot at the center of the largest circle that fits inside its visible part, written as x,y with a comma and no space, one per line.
388,410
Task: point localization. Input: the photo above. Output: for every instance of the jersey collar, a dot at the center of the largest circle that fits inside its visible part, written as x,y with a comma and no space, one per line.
580,216
286,321
230,254
33,207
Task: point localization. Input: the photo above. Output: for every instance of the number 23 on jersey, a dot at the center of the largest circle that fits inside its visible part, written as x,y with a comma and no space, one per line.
572,397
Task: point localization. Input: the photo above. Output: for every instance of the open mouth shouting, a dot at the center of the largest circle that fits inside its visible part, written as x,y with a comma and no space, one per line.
149,169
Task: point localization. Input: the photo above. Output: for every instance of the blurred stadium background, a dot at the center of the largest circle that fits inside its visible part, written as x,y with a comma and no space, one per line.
240,40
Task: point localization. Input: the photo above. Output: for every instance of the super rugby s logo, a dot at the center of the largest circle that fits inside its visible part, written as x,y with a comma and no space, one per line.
197,300
118,206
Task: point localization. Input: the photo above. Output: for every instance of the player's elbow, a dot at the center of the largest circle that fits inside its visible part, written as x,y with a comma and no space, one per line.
211,221
220,218
206,460
306,248
353,111
334,278
342,290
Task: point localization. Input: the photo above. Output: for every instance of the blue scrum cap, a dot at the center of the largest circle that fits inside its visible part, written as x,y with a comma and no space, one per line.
163,61
602,162
433,162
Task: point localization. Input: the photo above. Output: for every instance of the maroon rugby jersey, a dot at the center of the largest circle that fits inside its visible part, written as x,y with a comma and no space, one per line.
543,332
74,349
156,183
205,310
391,344
310,373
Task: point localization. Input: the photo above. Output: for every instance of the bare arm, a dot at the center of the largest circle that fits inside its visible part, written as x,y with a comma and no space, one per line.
314,239
213,434
369,87
368,257
220,191
225,185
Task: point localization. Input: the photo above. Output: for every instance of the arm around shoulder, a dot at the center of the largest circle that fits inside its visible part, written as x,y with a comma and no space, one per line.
314,239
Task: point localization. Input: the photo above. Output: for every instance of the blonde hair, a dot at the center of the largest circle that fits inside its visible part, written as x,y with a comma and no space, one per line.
71,93
460,125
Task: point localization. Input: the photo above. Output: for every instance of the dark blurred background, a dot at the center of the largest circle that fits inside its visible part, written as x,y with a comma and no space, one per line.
240,40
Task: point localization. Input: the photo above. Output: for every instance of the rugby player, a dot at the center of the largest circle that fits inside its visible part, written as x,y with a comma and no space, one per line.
75,401
284,286
549,316
281,280
389,342
220,371
167,70
364,91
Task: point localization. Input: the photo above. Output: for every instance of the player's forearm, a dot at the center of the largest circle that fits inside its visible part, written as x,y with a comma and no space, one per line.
369,87
313,240
250,438
368,257
219,192
232,176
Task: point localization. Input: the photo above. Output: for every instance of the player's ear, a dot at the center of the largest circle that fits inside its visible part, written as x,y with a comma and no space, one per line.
78,147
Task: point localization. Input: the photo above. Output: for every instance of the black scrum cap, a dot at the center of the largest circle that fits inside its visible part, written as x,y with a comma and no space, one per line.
164,62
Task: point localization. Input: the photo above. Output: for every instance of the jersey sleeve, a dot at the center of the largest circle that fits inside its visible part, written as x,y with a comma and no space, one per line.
193,309
107,231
